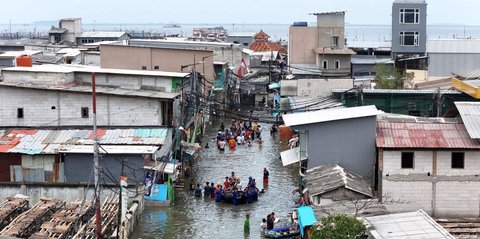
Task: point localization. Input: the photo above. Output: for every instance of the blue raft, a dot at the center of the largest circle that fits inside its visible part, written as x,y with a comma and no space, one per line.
282,232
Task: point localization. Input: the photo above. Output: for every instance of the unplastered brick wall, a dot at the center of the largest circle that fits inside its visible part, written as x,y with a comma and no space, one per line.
410,195
392,162
52,108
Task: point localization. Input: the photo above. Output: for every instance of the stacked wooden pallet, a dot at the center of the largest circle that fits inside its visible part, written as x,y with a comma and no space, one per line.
30,221
462,228
109,213
64,222
10,209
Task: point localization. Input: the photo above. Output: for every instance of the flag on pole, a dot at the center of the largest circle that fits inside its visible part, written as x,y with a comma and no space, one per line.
243,68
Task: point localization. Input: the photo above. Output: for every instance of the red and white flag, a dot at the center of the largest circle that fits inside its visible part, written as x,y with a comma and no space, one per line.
245,68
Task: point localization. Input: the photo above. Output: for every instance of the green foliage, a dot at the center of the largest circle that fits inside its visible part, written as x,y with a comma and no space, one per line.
390,78
338,227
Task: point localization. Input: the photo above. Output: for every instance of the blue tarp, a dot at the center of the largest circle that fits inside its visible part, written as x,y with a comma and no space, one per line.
306,217
159,193
274,86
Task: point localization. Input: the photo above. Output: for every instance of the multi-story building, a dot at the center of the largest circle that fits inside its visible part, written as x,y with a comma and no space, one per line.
409,33
319,51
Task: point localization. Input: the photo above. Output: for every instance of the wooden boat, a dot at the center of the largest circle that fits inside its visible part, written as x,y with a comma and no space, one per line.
282,232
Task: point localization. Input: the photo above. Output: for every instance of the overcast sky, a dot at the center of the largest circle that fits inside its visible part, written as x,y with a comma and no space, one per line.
464,12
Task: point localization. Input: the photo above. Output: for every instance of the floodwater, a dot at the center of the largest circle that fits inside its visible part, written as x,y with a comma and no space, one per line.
192,217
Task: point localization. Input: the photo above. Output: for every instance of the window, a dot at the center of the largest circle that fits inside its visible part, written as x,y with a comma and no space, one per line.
409,16
409,38
84,41
84,112
325,64
236,42
337,64
245,44
335,40
156,67
20,113
407,159
144,68
458,160
90,41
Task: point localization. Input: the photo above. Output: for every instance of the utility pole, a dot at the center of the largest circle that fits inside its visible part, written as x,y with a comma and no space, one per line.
120,210
96,167
439,102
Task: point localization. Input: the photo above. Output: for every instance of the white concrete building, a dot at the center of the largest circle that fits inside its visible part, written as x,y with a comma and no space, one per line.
429,165
33,105
68,74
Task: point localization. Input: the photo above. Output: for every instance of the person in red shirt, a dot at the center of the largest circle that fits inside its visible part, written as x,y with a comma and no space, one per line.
226,184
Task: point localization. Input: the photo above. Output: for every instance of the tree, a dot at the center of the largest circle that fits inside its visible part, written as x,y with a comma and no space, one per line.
390,78
339,226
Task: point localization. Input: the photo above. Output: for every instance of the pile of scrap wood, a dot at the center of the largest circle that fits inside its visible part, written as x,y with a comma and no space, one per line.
462,228
30,221
10,209
65,221
109,213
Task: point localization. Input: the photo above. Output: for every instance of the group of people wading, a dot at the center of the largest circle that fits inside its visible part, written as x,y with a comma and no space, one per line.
231,190
240,133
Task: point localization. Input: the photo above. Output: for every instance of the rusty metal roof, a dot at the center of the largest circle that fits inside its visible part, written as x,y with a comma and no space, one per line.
47,141
424,135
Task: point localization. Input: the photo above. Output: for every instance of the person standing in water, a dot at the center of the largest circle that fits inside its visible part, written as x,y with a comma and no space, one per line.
266,174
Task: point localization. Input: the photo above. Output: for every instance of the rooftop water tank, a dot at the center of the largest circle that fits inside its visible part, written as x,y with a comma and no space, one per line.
25,61
300,24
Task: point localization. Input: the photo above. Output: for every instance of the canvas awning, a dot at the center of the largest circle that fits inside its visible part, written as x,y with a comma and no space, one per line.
306,217
162,167
290,156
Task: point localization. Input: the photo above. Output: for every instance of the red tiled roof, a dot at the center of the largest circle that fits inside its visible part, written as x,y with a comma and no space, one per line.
424,135
261,35
267,46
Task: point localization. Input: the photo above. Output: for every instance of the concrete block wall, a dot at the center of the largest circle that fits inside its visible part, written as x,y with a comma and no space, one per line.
444,163
457,199
127,81
412,195
49,78
111,110
392,163
451,193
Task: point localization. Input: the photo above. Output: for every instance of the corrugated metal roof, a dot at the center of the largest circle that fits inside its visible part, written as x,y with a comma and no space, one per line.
453,46
424,135
328,177
51,141
403,91
406,225
470,113
111,149
330,115
101,34
303,104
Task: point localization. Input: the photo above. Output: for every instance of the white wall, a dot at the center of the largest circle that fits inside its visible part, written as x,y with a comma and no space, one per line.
451,193
111,110
321,87
392,163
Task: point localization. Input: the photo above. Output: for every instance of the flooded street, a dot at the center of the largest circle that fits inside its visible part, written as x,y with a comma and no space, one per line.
192,217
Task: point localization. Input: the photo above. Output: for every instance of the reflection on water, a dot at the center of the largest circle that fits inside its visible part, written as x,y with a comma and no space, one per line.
192,217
